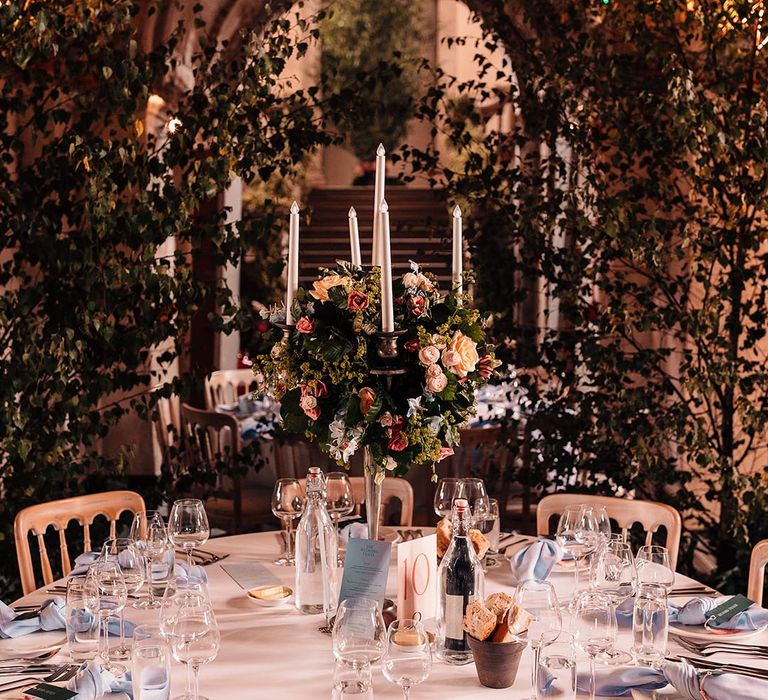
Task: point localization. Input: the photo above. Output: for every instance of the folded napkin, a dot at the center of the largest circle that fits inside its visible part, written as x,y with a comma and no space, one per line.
83,562
93,681
696,611
354,531
535,561
189,574
620,681
51,617
251,428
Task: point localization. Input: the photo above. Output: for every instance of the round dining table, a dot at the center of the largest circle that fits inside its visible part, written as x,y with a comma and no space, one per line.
278,652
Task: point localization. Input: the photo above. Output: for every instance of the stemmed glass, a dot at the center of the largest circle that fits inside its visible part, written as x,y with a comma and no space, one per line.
592,628
151,536
487,521
540,600
578,534
195,639
653,566
123,552
603,522
359,634
188,525
473,489
407,658
444,495
614,575
105,595
339,498
287,505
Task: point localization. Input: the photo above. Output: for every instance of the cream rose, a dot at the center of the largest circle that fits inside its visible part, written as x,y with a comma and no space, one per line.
410,280
308,403
465,350
429,355
423,283
437,383
386,419
322,286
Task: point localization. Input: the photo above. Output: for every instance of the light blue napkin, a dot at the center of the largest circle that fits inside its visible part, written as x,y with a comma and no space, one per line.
619,682
50,618
185,574
93,681
251,428
535,561
695,612
83,562
354,531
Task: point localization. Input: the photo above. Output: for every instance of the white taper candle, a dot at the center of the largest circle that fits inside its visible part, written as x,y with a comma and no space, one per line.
458,252
293,263
387,310
378,198
354,238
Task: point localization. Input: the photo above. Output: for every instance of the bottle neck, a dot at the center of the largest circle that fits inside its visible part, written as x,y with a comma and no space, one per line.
461,523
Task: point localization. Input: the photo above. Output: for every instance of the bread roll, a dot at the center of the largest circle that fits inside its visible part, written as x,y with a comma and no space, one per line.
444,534
480,541
479,621
498,603
514,623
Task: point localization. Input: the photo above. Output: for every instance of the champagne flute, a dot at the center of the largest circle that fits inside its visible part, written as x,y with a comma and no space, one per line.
540,600
105,595
151,537
578,535
195,639
614,575
593,630
287,505
653,566
407,658
444,495
123,551
188,526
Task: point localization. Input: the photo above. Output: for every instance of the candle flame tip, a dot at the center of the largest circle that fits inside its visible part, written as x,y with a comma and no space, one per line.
384,206
380,150
456,212
294,208
352,212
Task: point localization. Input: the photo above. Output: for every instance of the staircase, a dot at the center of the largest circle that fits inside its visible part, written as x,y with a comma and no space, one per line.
420,230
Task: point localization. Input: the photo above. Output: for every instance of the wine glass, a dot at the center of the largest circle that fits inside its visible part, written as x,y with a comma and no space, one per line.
540,600
653,566
151,667
603,522
578,535
151,536
487,521
407,658
358,633
473,489
444,495
195,639
614,575
123,551
287,505
105,595
592,629
188,525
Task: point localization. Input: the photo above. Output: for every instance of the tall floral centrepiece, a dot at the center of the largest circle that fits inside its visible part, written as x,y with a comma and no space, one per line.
336,389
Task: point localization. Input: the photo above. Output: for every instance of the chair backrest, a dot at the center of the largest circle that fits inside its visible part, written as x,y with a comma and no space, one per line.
167,425
224,386
393,488
83,509
757,572
650,514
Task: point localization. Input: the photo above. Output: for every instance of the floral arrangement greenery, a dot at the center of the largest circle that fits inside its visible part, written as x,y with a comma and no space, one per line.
322,370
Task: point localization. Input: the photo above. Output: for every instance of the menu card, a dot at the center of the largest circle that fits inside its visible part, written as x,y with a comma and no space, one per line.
366,566
417,578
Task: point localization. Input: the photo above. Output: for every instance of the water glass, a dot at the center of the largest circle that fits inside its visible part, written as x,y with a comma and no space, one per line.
593,630
287,505
188,526
579,535
105,595
151,536
488,522
359,634
82,626
124,552
650,623
351,683
151,658
556,669
407,658
339,499
653,566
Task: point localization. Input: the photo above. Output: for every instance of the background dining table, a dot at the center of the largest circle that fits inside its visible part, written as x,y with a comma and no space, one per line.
278,652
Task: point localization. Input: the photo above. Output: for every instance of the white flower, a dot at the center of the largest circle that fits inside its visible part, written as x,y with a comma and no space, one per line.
410,280
413,406
389,463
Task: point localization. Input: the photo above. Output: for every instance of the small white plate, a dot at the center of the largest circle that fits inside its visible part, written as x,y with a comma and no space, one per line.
270,603
701,633
29,644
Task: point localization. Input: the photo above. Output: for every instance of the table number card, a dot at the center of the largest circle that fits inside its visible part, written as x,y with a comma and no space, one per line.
417,577
366,566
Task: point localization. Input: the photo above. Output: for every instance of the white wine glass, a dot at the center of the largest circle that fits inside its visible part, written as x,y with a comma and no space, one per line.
149,532
195,639
653,566
407,659
444,495
359,634
592,629
614,575
105,595
578,535
473,489
124,552
188,526
287,505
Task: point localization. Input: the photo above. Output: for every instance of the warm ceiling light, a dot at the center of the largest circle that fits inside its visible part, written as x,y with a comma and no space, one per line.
173,124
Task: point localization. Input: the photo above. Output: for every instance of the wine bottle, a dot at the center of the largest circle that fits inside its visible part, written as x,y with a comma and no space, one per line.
460,581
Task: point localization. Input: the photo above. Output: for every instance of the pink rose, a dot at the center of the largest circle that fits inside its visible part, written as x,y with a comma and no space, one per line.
417,305
319,388
444,452
386,420
411,345
438,341
314,413
357,301
398,442
429,355
434,371
305,325
485,367
436,384
451,358
308,402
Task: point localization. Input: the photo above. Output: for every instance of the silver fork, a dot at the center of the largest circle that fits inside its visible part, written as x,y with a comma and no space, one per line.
59,674
40,657
711,648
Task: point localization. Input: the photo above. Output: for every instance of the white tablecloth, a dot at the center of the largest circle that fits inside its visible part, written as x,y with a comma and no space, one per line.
278,652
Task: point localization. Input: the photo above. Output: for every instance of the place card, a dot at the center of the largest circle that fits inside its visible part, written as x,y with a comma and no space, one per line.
366,567
417,578
51,692
250,575
730,608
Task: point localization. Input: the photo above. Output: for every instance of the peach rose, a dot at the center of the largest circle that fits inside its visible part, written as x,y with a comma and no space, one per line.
305,325
367,397
450,358
322,286
429,355
466,352
444,452
434,370
410,280
436,384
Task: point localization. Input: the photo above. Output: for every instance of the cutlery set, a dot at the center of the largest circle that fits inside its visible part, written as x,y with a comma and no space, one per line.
710,648
695,590
37,674
707,665
203,557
